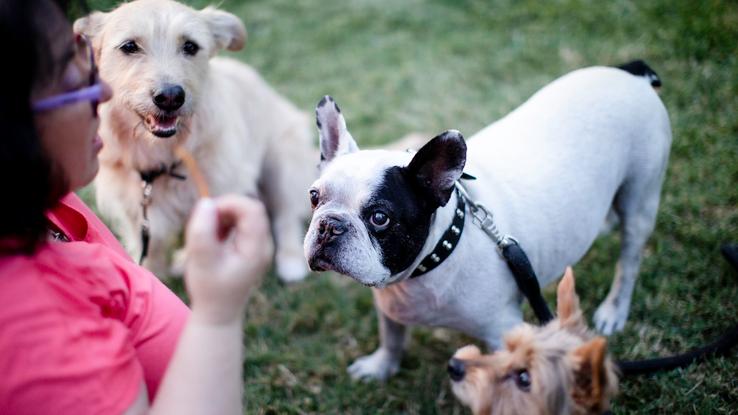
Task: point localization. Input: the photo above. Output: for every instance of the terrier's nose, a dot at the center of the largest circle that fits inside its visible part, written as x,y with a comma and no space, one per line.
169,98
456,369
329,228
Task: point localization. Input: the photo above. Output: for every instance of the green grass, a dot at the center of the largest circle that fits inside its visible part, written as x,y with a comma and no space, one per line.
401,66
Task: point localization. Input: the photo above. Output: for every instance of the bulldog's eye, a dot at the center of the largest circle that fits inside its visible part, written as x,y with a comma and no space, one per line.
379,219
129,47
314,198
522,380
190,48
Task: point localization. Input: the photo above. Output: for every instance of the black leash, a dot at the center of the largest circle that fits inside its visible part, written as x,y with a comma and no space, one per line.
515,257
526,280
719,347
527,283
147,185
512,252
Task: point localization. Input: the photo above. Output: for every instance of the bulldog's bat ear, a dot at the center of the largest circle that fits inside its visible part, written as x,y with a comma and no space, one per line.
438,165
335,139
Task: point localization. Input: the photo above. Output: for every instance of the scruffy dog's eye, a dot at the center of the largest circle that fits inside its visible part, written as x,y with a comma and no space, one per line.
314,198
379,219
522,379
190,48
129,47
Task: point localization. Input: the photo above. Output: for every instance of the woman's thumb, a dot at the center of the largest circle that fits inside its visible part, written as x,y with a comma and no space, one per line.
202,229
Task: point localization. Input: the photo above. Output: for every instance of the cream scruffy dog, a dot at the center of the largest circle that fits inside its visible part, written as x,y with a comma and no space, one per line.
592,144
170,90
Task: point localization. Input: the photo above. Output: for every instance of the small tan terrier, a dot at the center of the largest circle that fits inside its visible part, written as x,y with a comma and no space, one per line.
560,368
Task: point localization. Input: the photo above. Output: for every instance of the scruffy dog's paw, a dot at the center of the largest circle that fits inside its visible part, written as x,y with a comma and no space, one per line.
609,319
379,365
291,269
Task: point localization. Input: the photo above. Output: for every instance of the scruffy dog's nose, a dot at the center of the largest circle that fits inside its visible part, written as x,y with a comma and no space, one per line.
456,369
169,98
329,228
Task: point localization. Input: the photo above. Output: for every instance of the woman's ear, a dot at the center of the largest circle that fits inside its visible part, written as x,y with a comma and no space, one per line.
227,29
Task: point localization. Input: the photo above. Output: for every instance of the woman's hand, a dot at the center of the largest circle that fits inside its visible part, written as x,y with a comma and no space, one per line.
228,248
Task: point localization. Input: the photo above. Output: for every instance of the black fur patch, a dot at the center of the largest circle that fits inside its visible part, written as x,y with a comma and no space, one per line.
409,211
640,68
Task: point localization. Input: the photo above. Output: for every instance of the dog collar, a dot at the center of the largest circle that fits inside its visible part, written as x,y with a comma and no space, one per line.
448,241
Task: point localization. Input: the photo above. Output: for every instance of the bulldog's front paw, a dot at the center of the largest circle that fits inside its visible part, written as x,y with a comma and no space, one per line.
379,365
609,318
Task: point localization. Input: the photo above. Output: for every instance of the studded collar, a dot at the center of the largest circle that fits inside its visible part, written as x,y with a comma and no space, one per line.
448,241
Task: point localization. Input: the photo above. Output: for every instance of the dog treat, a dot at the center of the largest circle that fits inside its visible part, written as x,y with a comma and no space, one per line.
194,169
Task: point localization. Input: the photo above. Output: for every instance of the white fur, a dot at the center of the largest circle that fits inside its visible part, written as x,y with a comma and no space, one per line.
595,139
246,138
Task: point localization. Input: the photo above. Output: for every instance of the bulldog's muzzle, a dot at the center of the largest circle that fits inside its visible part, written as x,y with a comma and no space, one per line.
330,228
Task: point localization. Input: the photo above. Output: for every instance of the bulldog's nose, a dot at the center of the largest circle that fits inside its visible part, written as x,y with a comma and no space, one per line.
456,370
329,228
170,97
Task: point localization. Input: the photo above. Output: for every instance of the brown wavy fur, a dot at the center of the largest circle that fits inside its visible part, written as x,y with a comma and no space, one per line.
570,371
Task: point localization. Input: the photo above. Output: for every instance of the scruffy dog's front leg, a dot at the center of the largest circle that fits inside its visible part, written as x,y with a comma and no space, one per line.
385,361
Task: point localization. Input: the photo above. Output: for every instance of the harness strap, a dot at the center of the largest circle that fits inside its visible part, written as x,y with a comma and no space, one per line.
147,186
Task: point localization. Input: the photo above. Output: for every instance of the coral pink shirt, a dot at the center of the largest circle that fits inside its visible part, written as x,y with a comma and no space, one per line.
82,325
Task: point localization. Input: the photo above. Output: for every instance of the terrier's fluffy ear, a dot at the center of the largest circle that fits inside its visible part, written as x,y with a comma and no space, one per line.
591,376
227,29
90,25
567,301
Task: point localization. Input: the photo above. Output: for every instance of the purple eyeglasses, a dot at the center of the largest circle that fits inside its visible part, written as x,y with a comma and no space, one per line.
92,93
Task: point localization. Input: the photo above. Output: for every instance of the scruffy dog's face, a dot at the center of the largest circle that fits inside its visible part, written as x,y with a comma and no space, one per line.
560,368
155,55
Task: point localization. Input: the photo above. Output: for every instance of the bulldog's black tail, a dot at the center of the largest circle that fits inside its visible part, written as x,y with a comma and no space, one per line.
639,68
719,347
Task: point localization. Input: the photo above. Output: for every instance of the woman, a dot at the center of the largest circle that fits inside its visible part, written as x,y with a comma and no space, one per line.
83,329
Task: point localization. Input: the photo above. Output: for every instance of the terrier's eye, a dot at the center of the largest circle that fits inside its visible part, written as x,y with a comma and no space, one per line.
522,379
379,219
314,198
129,47
190,48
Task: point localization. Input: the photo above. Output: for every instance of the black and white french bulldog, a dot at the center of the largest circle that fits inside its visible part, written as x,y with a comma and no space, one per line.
590,147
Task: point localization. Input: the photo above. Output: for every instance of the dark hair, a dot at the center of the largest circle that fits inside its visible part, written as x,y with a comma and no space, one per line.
26,174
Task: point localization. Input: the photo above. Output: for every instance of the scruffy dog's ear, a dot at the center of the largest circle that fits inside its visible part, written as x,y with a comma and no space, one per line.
438,165
91,25
567,301
591,375
335,139
227,29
